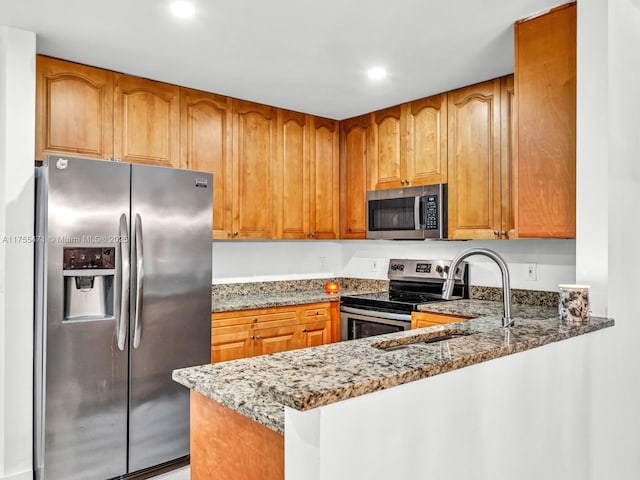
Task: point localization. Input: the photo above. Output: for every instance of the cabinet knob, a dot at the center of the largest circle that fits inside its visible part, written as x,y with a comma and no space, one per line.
235,234
503,232
251,337
259,337
496,233
317,312
230,234
255,319
313,234
304,329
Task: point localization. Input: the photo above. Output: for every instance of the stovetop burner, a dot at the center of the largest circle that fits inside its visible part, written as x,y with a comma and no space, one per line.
412,283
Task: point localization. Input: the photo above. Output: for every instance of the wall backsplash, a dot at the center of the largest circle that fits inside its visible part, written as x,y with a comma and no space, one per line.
259,261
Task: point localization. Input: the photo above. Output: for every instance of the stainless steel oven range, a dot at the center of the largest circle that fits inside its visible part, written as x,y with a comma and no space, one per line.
411,283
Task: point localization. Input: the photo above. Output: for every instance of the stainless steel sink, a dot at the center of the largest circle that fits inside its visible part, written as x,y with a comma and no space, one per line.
421,339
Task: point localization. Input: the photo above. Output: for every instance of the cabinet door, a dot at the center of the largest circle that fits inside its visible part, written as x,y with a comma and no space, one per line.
146,121
545,80
315,334
386,165
507,155
254,170
427,319
474,161
276,339
324,179
231,343
293,130
426,158
354,147
206,146
74,109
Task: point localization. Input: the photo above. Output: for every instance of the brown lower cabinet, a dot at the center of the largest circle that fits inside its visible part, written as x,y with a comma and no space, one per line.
246,333
428,319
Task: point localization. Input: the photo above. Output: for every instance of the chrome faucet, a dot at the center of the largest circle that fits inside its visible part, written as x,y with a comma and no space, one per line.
447,288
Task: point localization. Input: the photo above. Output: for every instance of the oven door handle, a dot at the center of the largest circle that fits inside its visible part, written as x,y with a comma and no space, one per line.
381,315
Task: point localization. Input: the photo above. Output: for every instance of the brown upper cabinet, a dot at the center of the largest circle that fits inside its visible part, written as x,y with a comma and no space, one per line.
545,119
146,121
205,133
354,148
254,171
479,166
409,144
96,113
74,109
310,170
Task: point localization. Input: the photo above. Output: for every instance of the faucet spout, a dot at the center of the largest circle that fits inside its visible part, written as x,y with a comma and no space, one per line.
447,288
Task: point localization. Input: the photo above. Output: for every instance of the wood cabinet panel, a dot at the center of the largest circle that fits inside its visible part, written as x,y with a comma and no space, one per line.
324,179
146,121
426,155
428,319
507,155
354,149
385,165
244,333
205,133
545,87
74,109
474,161
254,170
296,194
228,445
315,334
234,343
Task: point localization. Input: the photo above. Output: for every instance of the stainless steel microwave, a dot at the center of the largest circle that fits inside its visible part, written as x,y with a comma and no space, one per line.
407,213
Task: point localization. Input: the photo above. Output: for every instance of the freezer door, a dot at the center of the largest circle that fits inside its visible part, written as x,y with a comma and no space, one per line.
80,373
170,306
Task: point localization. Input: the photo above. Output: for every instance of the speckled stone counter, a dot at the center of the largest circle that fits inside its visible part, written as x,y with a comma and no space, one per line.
259,387
244,296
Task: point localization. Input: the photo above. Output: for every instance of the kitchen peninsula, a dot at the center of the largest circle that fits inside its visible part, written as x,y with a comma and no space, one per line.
317,403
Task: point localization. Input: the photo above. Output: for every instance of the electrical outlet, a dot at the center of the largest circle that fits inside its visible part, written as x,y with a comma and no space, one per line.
374,265
532,271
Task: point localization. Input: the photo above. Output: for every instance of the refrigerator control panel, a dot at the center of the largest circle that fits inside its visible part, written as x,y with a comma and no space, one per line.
89,258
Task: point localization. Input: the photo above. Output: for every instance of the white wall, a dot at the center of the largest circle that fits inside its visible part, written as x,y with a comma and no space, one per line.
614,103
253,261
519,417
17,131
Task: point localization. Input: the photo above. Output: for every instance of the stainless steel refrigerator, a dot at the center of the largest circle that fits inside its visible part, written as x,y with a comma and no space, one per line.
123,297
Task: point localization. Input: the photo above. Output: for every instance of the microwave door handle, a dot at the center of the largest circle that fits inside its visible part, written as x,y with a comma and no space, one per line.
416,212
122,288
137,325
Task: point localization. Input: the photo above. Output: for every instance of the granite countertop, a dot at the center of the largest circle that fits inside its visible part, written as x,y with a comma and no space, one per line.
259,387
276,299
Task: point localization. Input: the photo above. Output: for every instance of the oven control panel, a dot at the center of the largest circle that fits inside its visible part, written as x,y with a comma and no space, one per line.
424,270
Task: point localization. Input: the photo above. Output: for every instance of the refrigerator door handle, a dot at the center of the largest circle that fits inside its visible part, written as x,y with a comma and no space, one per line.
122,276
137,325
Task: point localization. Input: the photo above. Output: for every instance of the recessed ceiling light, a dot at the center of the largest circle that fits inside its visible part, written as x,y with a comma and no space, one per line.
182,9
376,73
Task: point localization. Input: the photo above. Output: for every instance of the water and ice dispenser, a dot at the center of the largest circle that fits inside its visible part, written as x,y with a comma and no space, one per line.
88,283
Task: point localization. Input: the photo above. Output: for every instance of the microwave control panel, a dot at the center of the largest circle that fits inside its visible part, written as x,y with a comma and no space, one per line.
430,212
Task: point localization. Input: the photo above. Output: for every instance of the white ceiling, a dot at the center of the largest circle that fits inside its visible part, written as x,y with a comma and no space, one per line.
306,56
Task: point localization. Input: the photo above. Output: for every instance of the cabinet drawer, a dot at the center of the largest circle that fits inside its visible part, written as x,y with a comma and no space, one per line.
245,317
426,319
